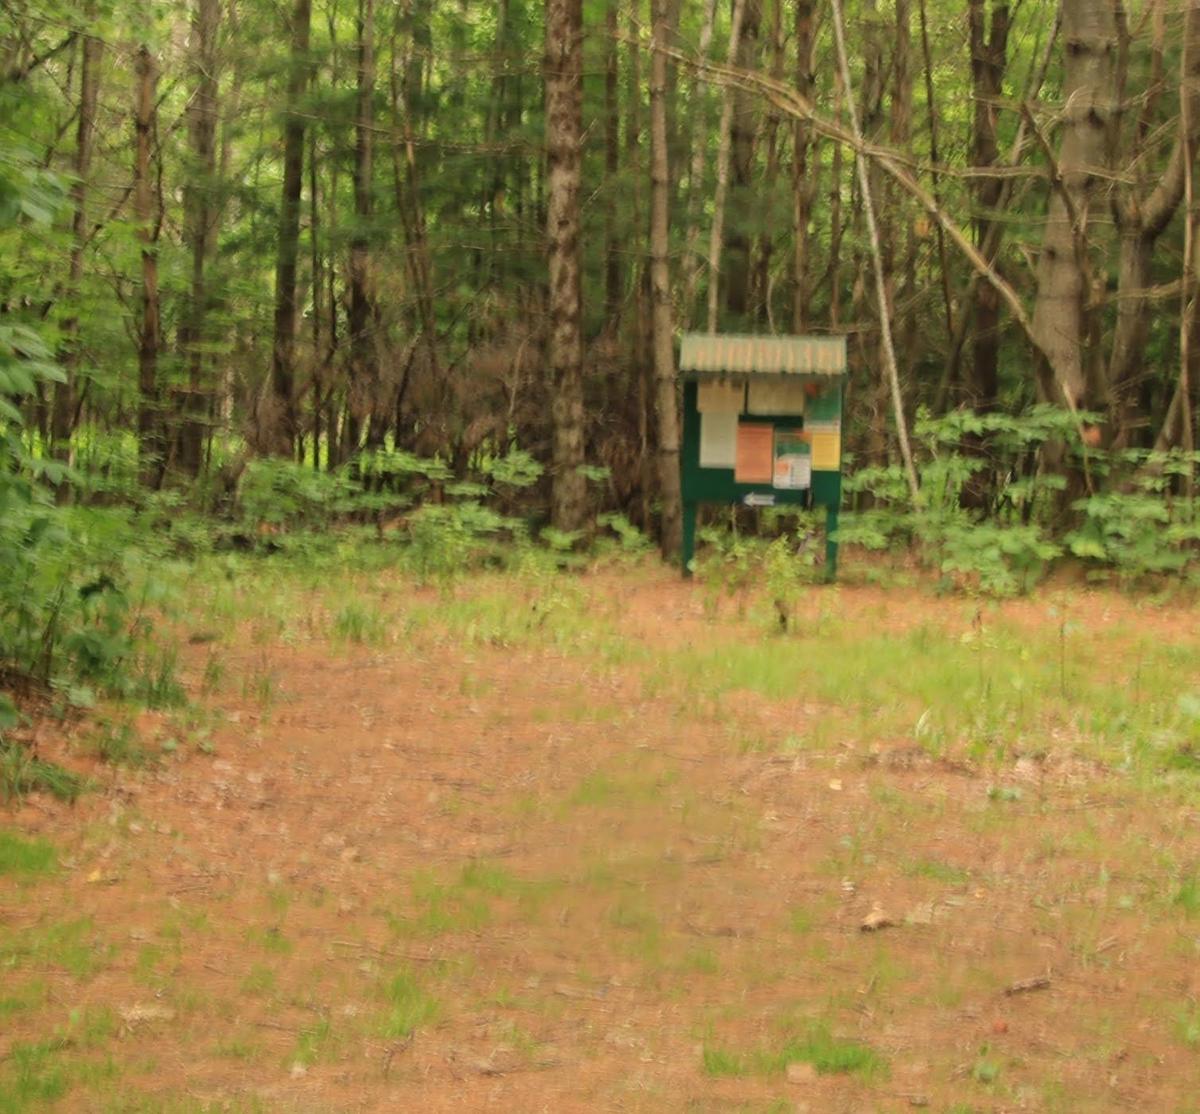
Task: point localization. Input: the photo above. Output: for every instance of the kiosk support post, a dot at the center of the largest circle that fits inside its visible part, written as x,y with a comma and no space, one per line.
831,545
688,546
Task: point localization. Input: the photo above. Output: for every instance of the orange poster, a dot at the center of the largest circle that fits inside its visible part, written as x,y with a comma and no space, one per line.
754,461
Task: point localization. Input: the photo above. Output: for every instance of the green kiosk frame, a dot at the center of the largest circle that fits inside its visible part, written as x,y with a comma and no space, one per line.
762,423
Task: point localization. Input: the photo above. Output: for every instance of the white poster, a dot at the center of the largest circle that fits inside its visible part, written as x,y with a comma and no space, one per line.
718,440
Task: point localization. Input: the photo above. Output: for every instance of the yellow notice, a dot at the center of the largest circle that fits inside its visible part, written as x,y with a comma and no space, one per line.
754,461
826,450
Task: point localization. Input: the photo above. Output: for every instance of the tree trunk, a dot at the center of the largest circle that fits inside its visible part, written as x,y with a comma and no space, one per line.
63,414
563,69
365,386
760,286
802,186
989,53
277,422
612,147
885,328
1060,313
641,341
743,133
716,238
660,285
935,159
407,186
199,231
150,439
1141,218
691,252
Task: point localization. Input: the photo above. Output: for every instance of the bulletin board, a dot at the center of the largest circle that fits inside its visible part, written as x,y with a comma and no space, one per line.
762,426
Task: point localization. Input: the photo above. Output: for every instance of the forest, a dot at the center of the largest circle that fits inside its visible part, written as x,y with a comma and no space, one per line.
362,746
359,236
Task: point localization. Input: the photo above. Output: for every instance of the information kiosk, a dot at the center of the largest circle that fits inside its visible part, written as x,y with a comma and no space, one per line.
762,426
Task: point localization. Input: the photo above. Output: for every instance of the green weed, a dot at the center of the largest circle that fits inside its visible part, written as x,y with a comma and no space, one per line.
260,980
441,908
360,625
937,871
310,1043
26,858
116,742
20,999
829,1055
408,1006
270,939
1187,896
1187,1026
34,1076
21,773
69,945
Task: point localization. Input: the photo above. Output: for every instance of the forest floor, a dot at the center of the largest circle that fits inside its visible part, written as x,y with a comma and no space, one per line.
605,841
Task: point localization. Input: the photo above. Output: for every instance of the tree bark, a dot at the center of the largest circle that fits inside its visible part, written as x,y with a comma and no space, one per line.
407,186
691,253
876,255
716,238
563,70
742,139
660,285
150,439
277,422
760,284
199,230
365,385
989,54
802,186
1060,314
1142,216
935,159
612,148
64,412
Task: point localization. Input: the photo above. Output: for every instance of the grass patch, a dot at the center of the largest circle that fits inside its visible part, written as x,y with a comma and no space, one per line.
70,946
310,1043
1187,896
408,1005
117,743
828,1054
440,908
359,625
20,999
937,871
35,1076
26,858
260,980
22,773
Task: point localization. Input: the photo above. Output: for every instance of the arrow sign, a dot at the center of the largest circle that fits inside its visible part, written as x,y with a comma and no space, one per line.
758,499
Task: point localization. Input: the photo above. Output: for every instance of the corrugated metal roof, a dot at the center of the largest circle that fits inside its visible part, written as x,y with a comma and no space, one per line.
717,353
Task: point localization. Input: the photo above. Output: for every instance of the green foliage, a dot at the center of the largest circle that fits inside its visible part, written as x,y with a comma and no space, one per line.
1140,528
25,857
22,772
730,562
408,1005
829,1055
630,539
989,516
67,617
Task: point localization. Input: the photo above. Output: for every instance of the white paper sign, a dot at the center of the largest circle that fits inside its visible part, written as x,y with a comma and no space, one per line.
718,440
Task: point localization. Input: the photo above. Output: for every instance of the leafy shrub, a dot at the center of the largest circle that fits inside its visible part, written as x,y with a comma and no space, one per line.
67,616
990,516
